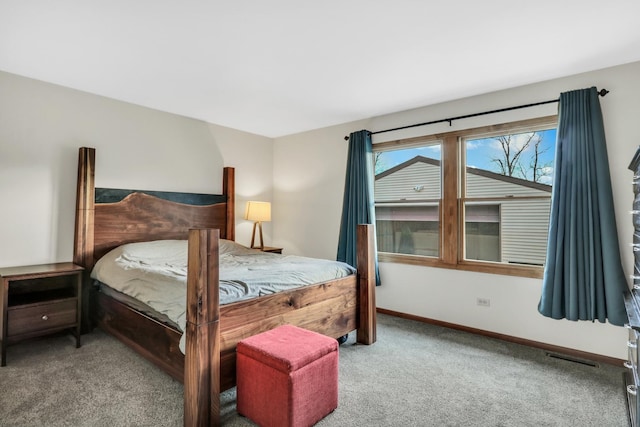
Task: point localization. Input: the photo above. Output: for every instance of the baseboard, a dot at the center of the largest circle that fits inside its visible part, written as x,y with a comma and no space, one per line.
577,354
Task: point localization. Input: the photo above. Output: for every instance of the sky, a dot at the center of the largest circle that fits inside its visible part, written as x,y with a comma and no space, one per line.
480,152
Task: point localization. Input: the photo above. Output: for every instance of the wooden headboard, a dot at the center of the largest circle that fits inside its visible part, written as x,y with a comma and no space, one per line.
107,218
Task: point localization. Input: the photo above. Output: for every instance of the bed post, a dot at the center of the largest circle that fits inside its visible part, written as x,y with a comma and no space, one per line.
365,256
83,236
228,189
202,352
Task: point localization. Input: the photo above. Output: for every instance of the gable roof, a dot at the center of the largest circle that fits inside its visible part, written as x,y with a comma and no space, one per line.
474,171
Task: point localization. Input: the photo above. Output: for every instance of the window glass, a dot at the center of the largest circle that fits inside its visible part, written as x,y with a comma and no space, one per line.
407,194
411,230
510,165
482,232
513,174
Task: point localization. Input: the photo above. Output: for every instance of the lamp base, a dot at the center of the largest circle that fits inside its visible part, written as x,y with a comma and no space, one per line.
253,236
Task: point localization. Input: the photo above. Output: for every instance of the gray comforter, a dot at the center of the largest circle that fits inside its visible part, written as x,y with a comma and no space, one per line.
155,273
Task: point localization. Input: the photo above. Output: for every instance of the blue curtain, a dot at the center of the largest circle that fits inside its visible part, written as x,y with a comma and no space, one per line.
357,205
583,276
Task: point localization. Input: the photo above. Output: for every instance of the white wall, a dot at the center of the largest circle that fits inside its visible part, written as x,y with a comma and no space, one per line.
41,127
252,156
308,190
308,184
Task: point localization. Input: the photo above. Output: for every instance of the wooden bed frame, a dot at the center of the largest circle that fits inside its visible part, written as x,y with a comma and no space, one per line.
332,308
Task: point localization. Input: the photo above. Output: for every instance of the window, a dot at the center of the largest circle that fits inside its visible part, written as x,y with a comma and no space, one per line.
477,199
407,198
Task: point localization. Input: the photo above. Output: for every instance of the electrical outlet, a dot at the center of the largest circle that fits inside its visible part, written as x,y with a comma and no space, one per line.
483,302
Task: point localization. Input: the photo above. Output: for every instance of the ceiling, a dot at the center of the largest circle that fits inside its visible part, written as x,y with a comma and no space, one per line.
280,67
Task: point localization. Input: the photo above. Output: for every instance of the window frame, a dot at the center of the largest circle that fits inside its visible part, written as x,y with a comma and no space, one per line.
453,198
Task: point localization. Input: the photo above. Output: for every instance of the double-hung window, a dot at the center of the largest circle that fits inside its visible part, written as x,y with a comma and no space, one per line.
477,199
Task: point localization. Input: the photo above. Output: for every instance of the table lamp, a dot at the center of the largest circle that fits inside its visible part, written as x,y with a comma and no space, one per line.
257,212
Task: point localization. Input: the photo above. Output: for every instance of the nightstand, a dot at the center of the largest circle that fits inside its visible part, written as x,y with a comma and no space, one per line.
272,250
39,300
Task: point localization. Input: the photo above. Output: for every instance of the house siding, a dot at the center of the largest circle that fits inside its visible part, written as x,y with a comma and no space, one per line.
399,186
521,220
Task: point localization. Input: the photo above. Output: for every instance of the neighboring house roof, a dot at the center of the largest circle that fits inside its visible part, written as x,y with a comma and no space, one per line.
470,170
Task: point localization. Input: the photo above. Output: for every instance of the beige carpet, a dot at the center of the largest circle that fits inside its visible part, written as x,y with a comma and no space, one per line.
415,375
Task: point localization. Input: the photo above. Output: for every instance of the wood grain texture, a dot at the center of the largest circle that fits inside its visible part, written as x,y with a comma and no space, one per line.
83,246
4,300
333,308
449,228
140,217
328,308
366,284
37,300
229,190
85,196
325,308
202,353
39,271
155,341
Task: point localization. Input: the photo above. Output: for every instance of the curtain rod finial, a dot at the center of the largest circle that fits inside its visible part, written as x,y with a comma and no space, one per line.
603,92
346,138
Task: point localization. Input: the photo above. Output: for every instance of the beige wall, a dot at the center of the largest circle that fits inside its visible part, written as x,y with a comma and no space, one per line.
308,184
41,127
252,156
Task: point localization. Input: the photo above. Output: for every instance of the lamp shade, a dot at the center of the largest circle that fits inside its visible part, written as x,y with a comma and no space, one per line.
258,211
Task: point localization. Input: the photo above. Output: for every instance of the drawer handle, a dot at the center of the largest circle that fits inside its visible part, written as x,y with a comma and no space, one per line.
632,344
45,317
632,389
628,364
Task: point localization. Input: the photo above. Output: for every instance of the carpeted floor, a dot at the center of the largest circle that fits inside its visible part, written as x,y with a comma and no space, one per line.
415,375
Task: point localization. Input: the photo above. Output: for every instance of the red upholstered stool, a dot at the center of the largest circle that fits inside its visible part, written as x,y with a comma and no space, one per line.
287,376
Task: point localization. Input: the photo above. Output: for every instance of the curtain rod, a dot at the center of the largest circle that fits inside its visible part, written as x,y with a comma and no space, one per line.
602,92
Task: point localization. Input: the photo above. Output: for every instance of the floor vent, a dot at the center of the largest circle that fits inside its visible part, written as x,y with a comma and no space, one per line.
573,359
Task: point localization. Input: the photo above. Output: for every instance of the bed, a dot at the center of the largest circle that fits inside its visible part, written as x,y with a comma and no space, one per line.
107,219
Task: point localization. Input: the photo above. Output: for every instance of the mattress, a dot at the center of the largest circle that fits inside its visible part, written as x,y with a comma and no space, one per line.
155,274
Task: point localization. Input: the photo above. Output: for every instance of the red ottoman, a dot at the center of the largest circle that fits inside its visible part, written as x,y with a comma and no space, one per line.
287,376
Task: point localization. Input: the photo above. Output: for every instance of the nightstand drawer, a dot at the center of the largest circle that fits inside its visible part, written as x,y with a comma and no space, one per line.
42,316
37,300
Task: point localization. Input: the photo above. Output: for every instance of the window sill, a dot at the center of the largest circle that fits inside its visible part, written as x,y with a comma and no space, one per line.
480,267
